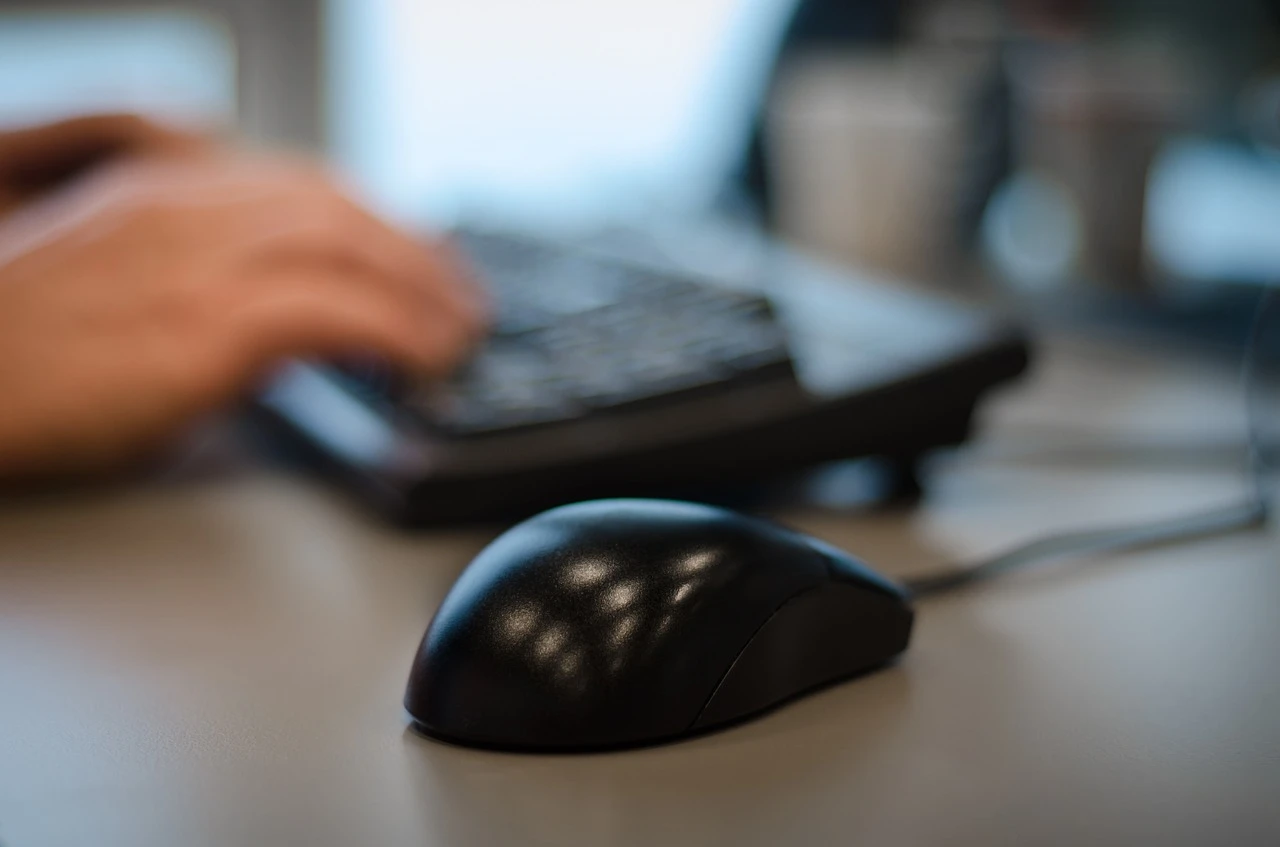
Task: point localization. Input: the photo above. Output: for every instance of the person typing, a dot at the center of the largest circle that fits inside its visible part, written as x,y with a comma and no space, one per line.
149,276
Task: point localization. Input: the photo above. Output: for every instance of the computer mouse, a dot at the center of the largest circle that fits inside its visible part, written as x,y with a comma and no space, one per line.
621,623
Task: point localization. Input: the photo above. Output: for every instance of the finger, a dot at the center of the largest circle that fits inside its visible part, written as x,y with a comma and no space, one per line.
438,276
321,313
120,131
329,262
10,200
90,135
284,210
337,231
338,217
432,266
473,288
36,159
253,221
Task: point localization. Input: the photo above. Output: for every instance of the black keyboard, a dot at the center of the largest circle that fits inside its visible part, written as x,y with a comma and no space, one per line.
612,373
576,335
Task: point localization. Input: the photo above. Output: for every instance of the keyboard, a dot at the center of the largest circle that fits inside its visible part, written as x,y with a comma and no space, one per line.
615,372
577,335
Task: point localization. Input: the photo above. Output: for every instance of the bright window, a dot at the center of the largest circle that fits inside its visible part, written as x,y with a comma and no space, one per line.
562,108
173,64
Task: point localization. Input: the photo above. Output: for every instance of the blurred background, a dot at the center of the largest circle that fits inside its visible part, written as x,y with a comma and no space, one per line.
1115,159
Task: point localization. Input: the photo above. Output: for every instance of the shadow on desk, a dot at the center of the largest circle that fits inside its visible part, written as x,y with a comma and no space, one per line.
745,785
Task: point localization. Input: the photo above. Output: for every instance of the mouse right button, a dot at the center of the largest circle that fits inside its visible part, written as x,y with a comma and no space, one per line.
818,637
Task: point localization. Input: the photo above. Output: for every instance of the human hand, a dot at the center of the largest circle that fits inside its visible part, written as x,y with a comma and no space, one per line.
157,290
38,159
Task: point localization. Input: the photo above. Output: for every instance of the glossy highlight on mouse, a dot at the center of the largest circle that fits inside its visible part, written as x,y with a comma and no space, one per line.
620,623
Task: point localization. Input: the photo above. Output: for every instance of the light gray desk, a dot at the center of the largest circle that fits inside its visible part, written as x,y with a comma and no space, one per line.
220,662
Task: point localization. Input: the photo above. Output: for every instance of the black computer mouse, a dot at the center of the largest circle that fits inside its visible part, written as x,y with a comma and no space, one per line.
620,623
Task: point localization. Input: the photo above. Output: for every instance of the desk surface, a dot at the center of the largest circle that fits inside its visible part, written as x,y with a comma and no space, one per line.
220,662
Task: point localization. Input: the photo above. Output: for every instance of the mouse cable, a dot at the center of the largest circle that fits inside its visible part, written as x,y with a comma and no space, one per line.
1249,514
